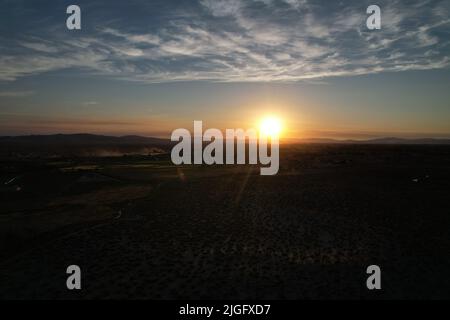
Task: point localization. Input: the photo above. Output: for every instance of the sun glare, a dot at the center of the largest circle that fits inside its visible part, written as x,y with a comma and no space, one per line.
270,127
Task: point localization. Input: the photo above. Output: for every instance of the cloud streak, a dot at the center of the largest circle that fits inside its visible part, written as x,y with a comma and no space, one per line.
16,94
247,41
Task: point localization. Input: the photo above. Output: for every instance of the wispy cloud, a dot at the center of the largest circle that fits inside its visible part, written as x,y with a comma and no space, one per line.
90,103
16,94
258,40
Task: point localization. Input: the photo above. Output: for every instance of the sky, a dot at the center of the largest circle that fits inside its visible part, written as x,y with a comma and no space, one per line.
149,67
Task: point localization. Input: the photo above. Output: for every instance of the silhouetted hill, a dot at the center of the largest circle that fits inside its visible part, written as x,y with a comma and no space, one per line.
82,139
86,139
92,145
388,140
393,140
80,145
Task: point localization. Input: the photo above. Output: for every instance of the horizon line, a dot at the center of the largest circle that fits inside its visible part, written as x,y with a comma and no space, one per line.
305,139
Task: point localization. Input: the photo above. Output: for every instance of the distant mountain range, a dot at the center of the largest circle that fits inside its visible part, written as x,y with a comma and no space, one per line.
388,140
84,139
80,145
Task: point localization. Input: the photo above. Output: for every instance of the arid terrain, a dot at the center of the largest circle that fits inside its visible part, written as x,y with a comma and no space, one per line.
140,227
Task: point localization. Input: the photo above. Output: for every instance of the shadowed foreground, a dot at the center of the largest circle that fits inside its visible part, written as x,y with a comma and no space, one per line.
141,228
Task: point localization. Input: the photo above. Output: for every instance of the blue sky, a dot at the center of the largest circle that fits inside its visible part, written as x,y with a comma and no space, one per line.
146,67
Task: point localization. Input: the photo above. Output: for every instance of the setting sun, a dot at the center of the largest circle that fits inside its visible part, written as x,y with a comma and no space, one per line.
270,127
